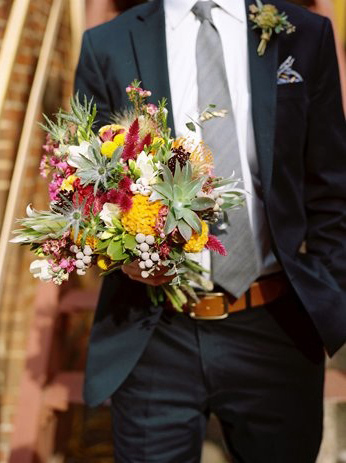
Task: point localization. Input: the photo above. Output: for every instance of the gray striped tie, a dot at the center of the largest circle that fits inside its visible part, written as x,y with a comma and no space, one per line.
236,272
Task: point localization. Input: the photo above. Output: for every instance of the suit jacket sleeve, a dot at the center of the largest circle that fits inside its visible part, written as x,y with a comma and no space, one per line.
325,194
89,81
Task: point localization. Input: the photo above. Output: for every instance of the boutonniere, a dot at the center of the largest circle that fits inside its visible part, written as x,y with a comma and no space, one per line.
268,19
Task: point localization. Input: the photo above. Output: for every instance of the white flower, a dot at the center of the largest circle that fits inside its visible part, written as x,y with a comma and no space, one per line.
29,211
41,269
146,166
109,212
75,152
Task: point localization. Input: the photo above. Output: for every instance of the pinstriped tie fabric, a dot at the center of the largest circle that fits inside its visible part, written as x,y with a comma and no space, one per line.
239,269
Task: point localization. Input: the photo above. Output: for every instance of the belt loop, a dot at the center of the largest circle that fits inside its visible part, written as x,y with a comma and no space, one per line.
248,298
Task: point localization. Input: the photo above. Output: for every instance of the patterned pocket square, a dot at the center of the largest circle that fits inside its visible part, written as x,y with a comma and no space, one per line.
287,75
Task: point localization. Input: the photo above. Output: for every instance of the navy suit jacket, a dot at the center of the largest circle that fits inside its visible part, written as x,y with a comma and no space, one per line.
300,135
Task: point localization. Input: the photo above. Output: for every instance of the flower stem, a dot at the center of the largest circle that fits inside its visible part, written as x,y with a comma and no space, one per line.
265,37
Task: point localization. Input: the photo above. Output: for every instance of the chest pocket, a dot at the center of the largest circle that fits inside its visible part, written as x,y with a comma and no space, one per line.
293,90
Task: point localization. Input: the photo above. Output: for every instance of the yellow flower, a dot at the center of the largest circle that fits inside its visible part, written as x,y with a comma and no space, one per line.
141,218
157,140
119,139
197,242
113,127
104,262
202,159
267,20
90,240
270,9
67,184
108,147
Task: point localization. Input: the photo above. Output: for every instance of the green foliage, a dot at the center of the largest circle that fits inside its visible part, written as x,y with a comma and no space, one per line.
178,192
120,247
129,242
191,126
57,130
40,226
82,115
115,250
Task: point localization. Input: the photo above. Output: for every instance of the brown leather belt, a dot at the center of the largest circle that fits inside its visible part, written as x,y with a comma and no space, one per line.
216,306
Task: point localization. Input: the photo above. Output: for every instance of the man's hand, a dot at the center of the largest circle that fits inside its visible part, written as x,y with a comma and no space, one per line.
156,279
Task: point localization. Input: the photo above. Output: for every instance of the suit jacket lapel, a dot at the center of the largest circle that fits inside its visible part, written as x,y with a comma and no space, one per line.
263,76
149,42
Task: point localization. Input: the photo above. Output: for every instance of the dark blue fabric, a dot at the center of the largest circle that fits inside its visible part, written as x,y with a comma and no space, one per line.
260,372
300,137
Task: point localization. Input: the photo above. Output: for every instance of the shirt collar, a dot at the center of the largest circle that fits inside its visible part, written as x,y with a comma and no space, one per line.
177,10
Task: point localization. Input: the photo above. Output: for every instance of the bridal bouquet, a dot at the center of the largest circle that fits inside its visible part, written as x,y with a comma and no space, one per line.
129,193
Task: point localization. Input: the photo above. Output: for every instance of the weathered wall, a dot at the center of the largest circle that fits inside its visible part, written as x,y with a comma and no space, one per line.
19,286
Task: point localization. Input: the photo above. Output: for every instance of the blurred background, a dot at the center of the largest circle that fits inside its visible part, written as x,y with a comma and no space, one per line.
44,329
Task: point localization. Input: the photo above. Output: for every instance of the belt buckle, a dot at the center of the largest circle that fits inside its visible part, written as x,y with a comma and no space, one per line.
194,316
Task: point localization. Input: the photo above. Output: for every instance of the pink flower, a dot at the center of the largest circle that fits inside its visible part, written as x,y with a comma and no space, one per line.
54,187
53,161
45,247
214,244
144,93
161,219
50,144
44,169
67,264
62,165
151,109
108,135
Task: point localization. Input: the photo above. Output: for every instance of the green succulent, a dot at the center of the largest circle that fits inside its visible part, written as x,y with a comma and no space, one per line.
179,192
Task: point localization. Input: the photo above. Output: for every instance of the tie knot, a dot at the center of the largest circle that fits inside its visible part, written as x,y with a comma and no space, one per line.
202,10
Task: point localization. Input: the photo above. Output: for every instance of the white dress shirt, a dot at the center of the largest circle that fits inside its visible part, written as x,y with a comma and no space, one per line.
181,35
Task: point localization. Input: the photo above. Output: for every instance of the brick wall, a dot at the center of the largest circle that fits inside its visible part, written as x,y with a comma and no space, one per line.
19,289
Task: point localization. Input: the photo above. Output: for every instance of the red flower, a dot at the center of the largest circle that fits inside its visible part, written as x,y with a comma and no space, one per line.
131,142
164,250
125,202
85,194
121,198
214,244
112,196
125,183
146,141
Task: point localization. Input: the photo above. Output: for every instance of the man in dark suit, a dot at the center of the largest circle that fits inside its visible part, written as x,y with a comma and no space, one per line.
261,369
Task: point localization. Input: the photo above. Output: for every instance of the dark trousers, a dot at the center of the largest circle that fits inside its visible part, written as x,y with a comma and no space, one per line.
260,372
